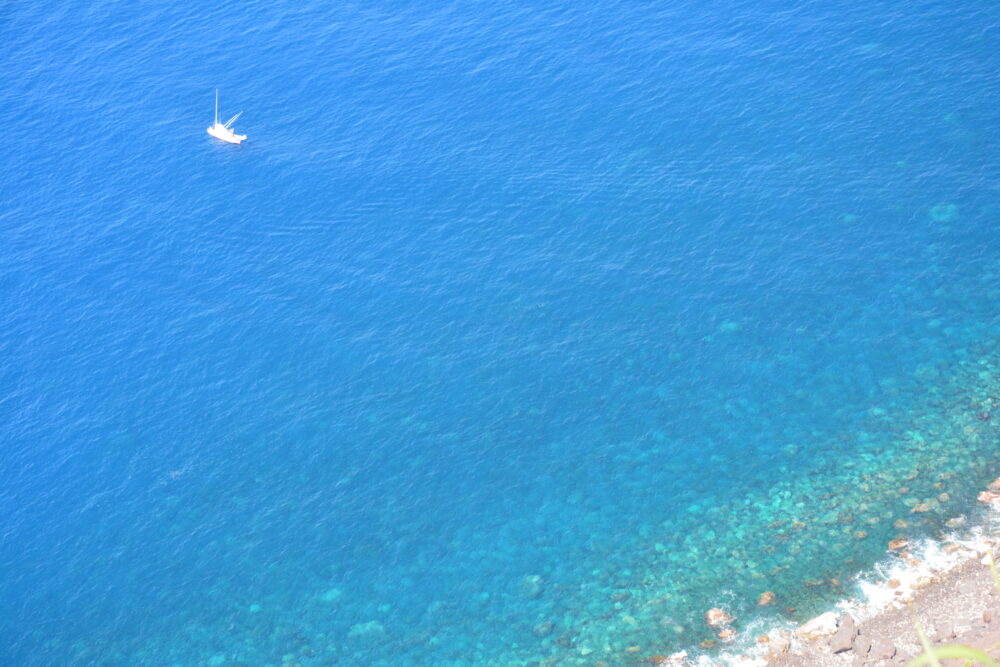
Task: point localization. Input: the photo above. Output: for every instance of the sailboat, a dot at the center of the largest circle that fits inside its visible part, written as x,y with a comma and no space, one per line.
222,131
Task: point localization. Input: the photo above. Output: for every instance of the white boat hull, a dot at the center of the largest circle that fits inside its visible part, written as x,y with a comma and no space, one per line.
223,133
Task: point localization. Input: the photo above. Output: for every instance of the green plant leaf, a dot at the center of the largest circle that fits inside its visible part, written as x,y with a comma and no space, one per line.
993,570
928,651
930,656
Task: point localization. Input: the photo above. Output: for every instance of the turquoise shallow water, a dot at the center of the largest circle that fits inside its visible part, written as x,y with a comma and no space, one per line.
510,336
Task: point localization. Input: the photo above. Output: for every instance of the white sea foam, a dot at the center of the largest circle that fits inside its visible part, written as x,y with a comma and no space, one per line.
890,584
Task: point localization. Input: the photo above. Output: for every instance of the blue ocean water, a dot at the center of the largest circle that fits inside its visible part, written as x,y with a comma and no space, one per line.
500,339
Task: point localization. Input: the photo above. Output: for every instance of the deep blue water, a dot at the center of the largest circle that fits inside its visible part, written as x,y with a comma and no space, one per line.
493,291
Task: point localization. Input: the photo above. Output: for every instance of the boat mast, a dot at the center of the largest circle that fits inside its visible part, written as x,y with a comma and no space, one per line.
216,106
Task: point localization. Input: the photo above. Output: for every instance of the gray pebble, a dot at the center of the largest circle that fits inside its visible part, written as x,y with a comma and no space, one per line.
882,649
945,631
968,587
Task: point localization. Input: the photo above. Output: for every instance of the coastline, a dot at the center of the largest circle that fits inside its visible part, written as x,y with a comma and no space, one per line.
944,585
896,502
958,607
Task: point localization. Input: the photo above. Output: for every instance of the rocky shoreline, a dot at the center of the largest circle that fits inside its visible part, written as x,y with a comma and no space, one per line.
946,588
961,606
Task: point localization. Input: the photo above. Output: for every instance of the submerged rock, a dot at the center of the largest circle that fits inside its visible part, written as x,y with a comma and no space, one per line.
678,658
543,629
372,631
532,586
988,497
331,595
944,212
952,547
766,598
717,618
